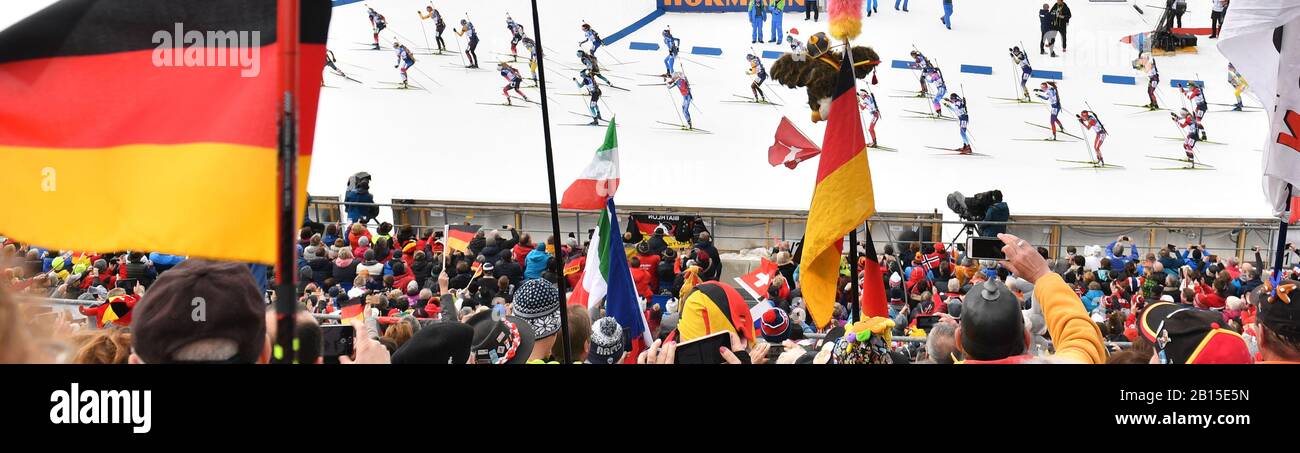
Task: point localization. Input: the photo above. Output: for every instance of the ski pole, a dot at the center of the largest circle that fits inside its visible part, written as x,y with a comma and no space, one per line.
674,103
424,32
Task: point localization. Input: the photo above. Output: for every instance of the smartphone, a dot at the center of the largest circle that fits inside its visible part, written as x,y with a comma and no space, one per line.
774,352
337,340
982,248
926,322
703,350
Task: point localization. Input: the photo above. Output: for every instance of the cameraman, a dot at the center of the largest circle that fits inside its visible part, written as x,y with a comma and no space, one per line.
359,192
996,212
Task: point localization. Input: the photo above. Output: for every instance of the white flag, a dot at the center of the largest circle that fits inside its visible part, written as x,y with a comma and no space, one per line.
1262,39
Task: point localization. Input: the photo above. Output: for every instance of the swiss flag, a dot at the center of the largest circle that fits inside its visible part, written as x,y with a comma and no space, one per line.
1295,210
756,283
791,146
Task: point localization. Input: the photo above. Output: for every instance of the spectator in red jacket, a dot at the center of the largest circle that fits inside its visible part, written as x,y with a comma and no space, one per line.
117,310
640,277
649,263
523,248
357,231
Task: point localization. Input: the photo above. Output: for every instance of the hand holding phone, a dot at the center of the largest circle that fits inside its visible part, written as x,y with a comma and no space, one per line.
337,341
703,350
983,248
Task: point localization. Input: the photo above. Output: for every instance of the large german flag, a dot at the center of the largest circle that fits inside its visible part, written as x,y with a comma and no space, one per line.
459,236
842,198
151,124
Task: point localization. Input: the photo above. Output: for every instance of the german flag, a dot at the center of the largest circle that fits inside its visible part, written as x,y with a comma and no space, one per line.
458,236
873,302
159,118
842,198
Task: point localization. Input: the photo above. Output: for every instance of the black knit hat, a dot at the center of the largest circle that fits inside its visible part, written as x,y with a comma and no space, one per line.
169,316
437,343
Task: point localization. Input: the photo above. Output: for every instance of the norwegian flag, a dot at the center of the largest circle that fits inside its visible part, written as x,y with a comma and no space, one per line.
931,262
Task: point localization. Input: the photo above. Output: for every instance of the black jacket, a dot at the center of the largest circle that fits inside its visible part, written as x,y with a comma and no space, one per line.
346,274
787,271
665,273
141,272
714,270
476,245
1044,21
422,270
1060,16
511,270
321,268
460,281
657,244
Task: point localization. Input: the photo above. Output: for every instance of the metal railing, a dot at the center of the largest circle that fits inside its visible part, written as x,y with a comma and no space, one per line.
735,229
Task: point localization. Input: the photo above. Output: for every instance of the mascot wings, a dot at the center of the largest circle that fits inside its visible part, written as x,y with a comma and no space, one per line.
816,71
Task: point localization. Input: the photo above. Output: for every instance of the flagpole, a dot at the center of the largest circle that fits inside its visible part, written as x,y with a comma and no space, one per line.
286,304
1281,244
557,269
853,273
853,235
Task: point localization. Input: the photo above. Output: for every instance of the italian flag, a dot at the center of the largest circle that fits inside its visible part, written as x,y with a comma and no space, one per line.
607,277
599,180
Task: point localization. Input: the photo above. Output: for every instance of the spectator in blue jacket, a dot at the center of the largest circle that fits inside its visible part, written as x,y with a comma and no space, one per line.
1194,256
947,14
162,262
1044,26
757,15
1092,298
997,212
536,260
1116,252
777,8
359,192
1170,260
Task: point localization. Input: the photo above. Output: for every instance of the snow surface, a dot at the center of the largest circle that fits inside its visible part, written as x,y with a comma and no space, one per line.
440,145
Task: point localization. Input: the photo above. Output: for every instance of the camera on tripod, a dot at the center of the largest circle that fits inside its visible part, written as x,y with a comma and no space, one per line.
984,206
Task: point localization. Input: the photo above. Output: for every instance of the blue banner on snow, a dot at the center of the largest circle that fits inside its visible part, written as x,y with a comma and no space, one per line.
717,6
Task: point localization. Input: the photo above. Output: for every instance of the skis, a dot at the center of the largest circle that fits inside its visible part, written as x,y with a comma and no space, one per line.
749,100
682,127
501,104
1193,164
1245,110
525,100
1243,106
398,86
882,148
1090,164
1016,100
1143,107
467,68
1208,142
1059,132
602,121
927,115
914,96
955,152
1043,140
